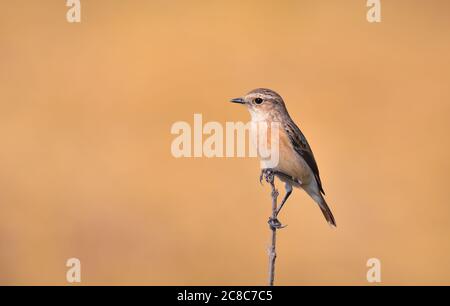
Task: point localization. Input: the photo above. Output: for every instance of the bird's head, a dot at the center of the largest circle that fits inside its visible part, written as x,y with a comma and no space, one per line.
262,103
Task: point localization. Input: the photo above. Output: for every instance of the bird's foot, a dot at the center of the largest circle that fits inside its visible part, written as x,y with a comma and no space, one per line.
267,174
275,224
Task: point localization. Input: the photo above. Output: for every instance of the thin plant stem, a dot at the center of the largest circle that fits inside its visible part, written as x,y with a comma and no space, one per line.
272,249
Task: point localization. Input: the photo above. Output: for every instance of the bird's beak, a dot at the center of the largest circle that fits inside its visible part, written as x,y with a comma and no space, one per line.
238,100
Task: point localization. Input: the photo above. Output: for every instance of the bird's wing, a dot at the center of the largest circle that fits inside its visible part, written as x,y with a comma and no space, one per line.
301,146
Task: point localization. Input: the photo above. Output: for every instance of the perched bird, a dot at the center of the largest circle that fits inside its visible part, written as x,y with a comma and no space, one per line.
297,166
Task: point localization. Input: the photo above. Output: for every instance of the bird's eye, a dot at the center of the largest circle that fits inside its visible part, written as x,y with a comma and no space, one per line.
258,100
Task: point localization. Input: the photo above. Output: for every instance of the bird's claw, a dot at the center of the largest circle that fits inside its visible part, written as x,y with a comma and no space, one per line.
267,174
275,224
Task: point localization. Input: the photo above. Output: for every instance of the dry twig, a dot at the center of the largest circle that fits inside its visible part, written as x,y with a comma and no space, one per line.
270,178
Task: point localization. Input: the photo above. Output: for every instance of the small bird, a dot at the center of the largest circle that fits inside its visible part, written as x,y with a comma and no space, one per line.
297,166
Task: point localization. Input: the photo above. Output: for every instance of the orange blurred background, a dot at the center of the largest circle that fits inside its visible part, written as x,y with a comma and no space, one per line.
86,169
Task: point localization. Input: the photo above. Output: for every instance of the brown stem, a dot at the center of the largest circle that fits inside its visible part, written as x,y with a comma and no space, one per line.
272,250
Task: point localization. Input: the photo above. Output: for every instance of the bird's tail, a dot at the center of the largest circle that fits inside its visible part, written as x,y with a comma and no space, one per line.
326,211
320,200
317,196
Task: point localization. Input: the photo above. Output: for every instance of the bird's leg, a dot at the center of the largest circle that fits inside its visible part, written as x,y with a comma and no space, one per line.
273,221
269,176
288,188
